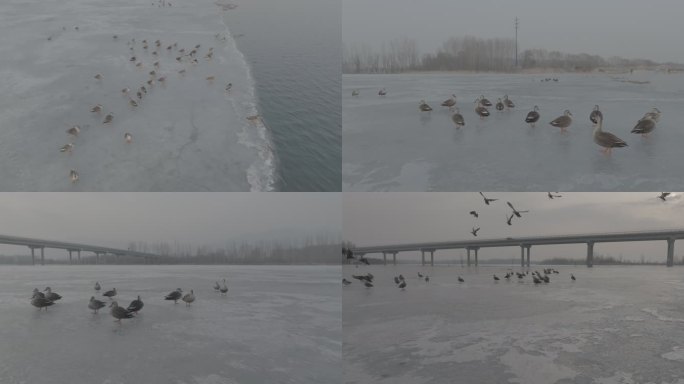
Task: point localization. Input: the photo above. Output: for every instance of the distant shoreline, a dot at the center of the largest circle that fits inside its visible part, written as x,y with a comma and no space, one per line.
533,71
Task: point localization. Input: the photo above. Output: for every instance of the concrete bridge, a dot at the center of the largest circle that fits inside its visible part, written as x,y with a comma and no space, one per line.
526,243
71,248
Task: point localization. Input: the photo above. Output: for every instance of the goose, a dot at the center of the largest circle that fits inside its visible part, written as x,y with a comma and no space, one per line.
515,212
189,298
457,118
95,304
401,285
217,287
396,280
125,91
174,295
460,280
368,284
508,103
450,102
594,115
135,305
133,103
664,195
119,312
98,76
484,101
224,289
36,292
111,293
496,278
645,126
572,277
551,196
97,108
424,107
108,119
532,116
52,296
67,148
474,231
74,131
73,175
139,94
229,87
345,281
486,200
427,279
41,302
480,109
562,122
499,105
97,286
606,139
382,92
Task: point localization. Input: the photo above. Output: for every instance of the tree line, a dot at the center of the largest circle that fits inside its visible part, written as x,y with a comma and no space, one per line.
475,54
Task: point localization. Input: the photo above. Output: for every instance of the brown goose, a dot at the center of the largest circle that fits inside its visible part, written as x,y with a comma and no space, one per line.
481,110
563,122
457,118
595,114
484,101
645,126
74,131
73,175
382,92
606,139
499,105
532,116
424,107
450,102
653,115
508,103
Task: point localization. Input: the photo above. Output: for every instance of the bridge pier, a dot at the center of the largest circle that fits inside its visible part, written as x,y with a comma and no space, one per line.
33,256
42,255
468,256
69,250
528,255
590,254
384,258
394,258
432,257
670,252
78,252
522,256
422,257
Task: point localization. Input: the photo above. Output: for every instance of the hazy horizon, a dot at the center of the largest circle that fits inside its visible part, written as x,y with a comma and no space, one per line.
197,219
435,216
631,29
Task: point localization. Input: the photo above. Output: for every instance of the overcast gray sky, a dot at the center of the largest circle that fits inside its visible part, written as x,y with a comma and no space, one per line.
627,28
213,219
380,218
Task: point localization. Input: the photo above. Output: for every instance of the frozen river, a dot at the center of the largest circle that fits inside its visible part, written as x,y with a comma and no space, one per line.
613,325
276,325
189,134
390,146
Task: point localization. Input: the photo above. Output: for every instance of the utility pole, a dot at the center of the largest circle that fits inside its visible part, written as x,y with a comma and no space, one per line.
516,42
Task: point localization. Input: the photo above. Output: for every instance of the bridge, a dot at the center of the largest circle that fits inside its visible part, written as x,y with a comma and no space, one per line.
526,243
71,248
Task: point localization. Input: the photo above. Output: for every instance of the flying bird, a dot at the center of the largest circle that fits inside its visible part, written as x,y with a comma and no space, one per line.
551,196
510,219
474,213
486,200
515,212
664,195
474,231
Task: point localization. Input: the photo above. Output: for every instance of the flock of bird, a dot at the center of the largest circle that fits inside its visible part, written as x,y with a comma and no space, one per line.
606,140
400,281
48,298
158,56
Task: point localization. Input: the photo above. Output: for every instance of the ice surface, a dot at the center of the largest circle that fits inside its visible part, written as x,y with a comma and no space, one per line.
189,134
593,330
390,146
276,325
